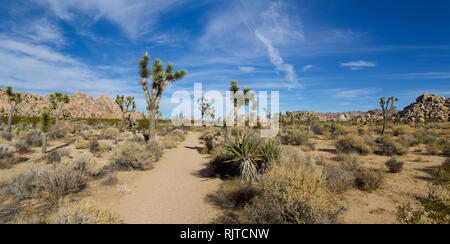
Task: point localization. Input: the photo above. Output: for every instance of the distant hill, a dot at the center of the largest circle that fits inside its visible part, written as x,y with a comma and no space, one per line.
80,106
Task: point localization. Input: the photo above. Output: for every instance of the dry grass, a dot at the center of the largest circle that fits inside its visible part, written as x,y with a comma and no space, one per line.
86,213
352,144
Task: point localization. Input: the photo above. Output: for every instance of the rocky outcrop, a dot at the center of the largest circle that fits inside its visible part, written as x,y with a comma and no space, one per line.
428,107
80,106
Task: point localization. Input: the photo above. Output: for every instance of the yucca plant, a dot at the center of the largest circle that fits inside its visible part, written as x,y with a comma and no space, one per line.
246,150
270,152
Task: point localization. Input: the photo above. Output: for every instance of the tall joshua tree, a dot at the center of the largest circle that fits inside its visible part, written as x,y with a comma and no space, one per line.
387,107
159,79
57,100
14,98
124,105
45,127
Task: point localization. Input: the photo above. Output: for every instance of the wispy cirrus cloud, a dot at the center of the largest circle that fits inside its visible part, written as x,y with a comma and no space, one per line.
307,67
345,93
246,69
135,17
357,65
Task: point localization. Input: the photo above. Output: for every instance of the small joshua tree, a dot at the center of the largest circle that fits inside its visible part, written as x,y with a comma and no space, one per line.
387,107
153,91
45,127
14,98
124,105
206,110
371,115
57,100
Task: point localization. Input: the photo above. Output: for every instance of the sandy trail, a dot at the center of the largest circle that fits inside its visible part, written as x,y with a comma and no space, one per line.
172,193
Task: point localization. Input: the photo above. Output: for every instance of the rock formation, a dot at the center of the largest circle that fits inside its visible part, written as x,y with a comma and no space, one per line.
428,107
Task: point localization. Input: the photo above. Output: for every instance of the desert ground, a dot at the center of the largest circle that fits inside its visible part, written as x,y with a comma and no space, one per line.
323,172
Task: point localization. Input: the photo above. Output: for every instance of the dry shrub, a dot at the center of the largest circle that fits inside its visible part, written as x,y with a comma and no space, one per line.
338,178
56,155
388,146
394,165
369,179
7,151
82,144
401,130
94,146
321,159
446,147
33,138
24,186
298,137
86,214
130,136
135,156
22,146
83,161
441,174
110,180
435,147
287,193
352,144
63,179
110,133
58,131
212,139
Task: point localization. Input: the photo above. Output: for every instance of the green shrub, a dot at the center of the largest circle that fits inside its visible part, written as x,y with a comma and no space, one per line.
246,151
270,152
352,144
394,165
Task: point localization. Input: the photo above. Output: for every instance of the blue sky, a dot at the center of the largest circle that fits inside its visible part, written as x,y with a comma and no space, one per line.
325,56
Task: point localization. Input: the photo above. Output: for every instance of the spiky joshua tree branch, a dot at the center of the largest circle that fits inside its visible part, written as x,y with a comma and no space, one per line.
126,105
57,100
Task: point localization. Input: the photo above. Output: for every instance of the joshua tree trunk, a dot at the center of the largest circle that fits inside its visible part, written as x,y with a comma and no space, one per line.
121,121
151,125
13,108
384,124
44,143
58,112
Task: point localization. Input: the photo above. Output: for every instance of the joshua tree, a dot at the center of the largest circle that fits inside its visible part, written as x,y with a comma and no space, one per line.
371,115
235,89
14,98
159,81
124,105
387,107
45,127
57,100
206,109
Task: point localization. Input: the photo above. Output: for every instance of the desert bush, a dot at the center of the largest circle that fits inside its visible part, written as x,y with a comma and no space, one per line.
446,147
178,135
296,159
86,214
110,133
24,186
298,137
394,165
82,144
56,155
130,136
21,146
7,151
94,146
388,146
63,179
233,194
83,161
401,130
318,128
135,156
352,144
435,147
369,179
34,138
106,148
6,135
110,180
338,178
433,209
321,159
58,131
283,196
441,174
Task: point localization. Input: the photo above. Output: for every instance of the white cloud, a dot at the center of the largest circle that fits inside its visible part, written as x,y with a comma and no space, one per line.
307,67
246,69
28,66
356,65
352,93
135,17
